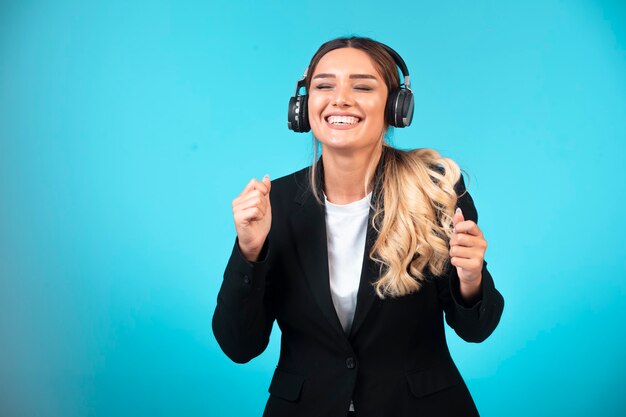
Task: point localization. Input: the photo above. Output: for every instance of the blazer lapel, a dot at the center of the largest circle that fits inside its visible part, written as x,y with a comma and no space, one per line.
370,270
308,224
369,274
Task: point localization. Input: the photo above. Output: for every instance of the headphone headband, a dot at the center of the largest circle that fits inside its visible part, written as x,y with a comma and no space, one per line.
401,64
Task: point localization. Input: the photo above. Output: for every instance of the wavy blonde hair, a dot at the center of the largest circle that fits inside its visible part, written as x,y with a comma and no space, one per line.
414,221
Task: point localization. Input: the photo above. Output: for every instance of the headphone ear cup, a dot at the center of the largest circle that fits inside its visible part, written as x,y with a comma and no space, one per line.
390,108
292,120
407,107
399,109
304,113
298,114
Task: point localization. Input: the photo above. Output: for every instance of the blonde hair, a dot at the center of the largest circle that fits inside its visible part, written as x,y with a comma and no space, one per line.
414,203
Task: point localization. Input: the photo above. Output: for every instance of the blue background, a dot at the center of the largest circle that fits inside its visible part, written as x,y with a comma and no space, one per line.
127,128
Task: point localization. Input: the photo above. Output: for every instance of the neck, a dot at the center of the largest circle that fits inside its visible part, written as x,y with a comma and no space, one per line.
344,173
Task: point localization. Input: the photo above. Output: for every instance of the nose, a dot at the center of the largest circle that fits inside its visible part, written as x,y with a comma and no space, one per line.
343,96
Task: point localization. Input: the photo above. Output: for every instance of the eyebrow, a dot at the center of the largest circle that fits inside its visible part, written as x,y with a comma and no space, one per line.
352,76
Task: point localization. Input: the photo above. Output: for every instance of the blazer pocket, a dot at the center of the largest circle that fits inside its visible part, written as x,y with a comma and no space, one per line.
286,385
435,379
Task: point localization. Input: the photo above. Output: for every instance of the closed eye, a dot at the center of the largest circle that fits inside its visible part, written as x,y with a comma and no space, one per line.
330,86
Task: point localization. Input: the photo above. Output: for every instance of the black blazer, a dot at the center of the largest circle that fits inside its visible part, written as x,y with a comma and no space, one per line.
395,360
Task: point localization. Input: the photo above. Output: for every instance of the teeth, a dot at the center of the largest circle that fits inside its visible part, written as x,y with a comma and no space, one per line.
346,120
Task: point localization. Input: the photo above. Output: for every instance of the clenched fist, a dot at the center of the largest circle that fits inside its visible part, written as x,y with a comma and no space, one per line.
467,253
253,217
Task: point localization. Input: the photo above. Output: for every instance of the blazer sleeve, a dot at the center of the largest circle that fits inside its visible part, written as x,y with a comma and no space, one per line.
243,317
473,323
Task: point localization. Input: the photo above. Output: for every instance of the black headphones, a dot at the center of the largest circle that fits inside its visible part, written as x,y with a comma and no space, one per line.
398,110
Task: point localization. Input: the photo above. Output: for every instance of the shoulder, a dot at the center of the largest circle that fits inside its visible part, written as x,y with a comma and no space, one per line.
287,188
464,199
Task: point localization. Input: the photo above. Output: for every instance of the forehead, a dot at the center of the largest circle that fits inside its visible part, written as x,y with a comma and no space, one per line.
346,60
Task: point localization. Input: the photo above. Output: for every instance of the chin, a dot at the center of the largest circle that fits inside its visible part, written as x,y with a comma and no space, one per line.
343,145
343,140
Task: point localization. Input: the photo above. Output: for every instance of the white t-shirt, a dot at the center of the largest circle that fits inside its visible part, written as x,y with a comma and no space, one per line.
346,227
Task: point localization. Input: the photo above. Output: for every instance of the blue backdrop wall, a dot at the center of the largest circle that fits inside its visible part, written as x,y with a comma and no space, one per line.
127,128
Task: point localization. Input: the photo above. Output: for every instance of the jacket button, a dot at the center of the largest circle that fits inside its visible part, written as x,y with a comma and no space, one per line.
350,362
246,279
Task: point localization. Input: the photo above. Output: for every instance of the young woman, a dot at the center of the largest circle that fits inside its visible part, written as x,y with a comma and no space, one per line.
358,257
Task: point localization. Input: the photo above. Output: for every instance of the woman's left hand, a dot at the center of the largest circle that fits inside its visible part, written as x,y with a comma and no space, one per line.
467,252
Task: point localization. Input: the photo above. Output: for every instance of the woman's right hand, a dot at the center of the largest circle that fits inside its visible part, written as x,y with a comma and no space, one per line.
253,217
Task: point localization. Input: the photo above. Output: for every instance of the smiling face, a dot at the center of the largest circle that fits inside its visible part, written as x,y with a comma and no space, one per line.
347,98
